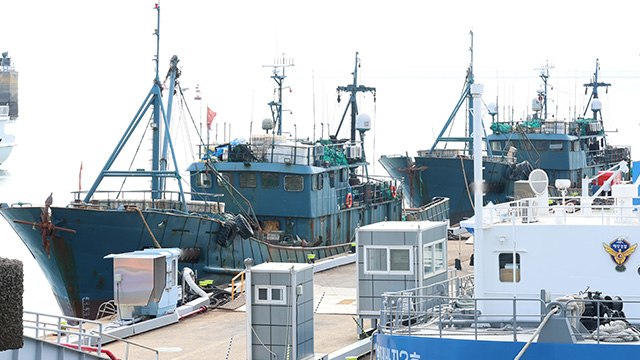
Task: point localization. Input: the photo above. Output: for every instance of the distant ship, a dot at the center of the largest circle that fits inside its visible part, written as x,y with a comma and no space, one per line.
572,149
8,105
448,172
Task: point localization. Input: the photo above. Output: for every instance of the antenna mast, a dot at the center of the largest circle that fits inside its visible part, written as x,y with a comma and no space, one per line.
278,76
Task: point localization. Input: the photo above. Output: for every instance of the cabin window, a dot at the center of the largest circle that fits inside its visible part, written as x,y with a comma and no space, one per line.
496,145
575,145
270,180
271,294
332,179
204,180
433,257
247,180
505,262
293,183
526,145
228,177
316,182
556,145
542,145
393,260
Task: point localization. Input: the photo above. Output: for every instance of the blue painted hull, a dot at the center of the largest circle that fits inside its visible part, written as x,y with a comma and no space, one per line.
444,177
404,347
82,279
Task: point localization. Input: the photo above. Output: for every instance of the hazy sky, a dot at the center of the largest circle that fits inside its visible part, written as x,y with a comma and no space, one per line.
85,66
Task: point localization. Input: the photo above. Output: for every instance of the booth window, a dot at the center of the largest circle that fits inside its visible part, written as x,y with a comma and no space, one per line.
433,257
505,262
394,260
270,294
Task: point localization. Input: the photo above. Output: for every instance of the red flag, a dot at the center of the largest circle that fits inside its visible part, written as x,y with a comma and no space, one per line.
210,116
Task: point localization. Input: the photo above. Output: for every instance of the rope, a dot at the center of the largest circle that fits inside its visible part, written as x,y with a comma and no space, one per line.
466,184
145,224
535,334
616,331
229,349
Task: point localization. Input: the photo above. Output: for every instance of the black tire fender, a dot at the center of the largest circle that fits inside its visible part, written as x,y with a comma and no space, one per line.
244,229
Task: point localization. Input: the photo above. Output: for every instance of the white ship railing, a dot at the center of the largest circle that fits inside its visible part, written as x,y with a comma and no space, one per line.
603,210
410,313
58,329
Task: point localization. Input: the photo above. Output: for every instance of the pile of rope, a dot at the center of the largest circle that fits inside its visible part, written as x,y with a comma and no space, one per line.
617,331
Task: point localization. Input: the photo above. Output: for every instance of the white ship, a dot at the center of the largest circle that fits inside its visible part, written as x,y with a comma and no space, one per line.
8,105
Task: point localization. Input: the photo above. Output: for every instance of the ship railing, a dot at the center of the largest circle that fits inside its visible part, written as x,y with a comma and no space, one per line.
564,210
609,155
372,191
436,210
599,320
81,334
240,285
308,154
144,199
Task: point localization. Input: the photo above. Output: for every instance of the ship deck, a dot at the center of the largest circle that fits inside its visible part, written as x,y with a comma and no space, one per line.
224,329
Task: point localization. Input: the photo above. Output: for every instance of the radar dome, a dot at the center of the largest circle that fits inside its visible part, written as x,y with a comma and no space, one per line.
596,105
363,122
536,105
267,124
493,109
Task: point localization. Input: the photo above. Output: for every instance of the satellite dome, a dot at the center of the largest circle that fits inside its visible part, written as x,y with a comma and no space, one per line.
363,122
596,105
493,109
536,105
267,124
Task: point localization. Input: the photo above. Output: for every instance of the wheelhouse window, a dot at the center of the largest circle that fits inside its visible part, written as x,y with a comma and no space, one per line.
542,145
575,146
506,265
526,145
556,145
332,179
226,176
433,257
393,260
293,183
316,182
270,180
496,145
204,180
270,294
247,180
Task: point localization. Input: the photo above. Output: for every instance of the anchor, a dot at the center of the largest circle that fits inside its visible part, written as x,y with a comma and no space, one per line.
411,170
46,227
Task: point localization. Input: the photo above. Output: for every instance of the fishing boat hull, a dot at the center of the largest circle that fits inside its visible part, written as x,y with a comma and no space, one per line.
81,279
426,177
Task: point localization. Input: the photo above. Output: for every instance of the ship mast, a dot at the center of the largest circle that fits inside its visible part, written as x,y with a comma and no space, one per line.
544,75
161,119
596,106
276,106
466,95
353,89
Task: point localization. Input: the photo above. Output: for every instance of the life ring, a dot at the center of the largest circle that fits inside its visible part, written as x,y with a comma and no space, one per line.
394,192
349,200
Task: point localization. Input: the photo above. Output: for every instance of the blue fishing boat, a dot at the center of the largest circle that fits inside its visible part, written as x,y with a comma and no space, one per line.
284,202
447,172
570,150
550,281
564,149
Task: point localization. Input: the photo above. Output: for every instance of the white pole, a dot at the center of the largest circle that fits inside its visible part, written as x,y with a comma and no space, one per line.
476,93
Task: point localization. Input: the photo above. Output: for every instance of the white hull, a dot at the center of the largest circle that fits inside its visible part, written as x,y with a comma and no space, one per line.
7,141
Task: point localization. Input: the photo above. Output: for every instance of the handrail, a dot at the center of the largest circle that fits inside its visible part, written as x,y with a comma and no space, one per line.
74,335
233,285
